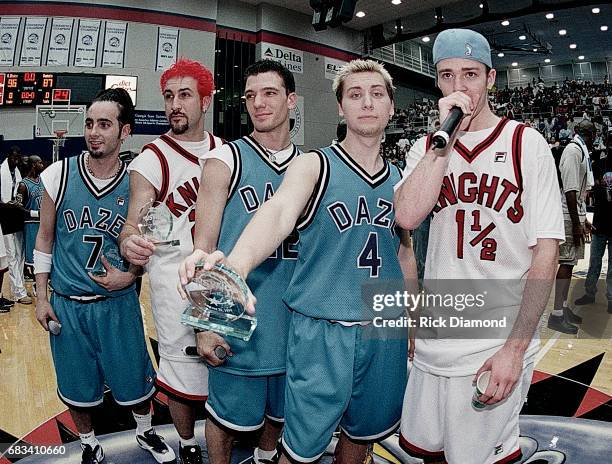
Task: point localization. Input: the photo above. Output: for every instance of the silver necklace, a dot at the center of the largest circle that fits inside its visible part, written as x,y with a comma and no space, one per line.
89,170
272,153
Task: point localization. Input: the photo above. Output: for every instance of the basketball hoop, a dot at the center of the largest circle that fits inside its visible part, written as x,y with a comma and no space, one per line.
58,141
60,138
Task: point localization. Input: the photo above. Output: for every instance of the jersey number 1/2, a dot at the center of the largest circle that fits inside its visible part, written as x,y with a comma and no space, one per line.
489,245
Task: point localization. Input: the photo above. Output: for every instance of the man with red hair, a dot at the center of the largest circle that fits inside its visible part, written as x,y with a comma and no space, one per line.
168,170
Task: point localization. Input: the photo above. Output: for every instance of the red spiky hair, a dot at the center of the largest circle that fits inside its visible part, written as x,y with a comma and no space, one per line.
184,67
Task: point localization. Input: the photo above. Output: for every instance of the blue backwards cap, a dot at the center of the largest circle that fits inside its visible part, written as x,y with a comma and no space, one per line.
462,43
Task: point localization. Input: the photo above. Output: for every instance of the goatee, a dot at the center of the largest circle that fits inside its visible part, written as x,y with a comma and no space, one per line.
179,129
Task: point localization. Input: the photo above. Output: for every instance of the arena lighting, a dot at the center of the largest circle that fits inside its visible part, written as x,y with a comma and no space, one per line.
522,37
603,28
515,64
396,2
425,39
500,54
547,60
505,22
581,57
595,10
562,32
550,15
360,14
572,46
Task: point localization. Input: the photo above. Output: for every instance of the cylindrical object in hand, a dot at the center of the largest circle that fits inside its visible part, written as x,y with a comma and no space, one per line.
441,138
54,327
220,352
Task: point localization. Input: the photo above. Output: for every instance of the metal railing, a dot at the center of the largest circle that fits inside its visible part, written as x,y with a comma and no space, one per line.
395,55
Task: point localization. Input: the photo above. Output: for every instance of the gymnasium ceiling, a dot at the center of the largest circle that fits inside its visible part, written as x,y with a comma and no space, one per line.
417,19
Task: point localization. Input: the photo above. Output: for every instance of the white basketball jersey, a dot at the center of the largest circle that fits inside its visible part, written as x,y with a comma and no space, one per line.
172,166
498,196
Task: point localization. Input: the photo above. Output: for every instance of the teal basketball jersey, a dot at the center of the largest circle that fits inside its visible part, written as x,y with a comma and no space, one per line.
87,224
254,180
347,239
35,191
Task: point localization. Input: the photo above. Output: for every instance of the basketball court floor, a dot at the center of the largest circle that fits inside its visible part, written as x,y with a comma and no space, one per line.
567,417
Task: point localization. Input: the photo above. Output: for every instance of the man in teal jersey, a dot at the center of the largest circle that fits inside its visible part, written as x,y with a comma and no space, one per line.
247,389
29,194
101,340
340,371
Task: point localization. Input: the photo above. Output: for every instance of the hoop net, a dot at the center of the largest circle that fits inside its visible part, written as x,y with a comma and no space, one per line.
60,138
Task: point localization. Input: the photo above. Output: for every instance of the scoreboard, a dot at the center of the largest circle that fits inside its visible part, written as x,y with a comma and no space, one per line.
26,89
38,88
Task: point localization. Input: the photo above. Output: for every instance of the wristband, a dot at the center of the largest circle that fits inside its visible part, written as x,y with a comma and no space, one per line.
42,262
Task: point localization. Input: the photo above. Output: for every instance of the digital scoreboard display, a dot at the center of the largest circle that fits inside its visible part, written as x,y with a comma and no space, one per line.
26,89
37,88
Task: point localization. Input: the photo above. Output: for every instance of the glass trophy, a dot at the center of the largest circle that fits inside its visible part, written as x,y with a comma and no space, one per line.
218,300
155,223
114,258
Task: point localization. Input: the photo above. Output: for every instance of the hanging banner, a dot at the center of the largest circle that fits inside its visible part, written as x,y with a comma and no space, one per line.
86,52
290,58
296,122
32,43
167,48
332,67
59,41
114,44
9,28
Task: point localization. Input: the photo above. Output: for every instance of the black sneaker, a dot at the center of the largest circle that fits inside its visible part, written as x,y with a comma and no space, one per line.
5,309
92,456
190,454
155,445
559,324
585,300
571,317
6,302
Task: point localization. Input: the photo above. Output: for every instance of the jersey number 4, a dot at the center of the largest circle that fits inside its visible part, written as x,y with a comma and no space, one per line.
489,245
369,258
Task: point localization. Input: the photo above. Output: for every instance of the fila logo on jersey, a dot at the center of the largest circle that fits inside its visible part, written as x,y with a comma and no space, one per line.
499,449
344,220
120,201
500,157
488,191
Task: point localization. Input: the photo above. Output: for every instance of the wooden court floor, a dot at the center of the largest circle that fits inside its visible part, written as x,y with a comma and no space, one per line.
27,380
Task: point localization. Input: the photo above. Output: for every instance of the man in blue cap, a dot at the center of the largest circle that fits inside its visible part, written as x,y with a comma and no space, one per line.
497,215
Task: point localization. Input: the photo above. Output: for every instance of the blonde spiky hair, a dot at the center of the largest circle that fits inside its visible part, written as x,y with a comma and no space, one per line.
359,66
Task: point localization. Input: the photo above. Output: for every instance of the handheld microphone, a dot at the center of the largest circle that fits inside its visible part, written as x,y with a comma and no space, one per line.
447,129
220,352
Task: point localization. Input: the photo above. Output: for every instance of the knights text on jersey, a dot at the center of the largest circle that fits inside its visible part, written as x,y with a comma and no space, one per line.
499,195
173,168
496,200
